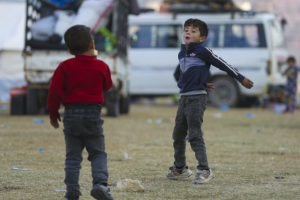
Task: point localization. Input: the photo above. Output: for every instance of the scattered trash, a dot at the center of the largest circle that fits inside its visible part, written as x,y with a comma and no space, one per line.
0,138
282,148
38,121
279,108
2,154
149,101
154,121
2,125
258,102
3,107
279,177
135,101
158,121
250,115
224,108
60,190
218,115
129,185
216,165
126,156
258,131
41,150
21,169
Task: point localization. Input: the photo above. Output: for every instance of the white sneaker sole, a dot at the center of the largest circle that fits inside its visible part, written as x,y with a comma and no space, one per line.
204,181
180,177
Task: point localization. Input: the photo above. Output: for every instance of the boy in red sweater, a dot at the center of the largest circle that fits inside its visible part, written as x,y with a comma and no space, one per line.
78,83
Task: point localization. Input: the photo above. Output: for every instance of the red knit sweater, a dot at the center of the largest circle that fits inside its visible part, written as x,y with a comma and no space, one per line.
78,80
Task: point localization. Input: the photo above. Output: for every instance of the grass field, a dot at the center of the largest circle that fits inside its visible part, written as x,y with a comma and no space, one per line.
252,158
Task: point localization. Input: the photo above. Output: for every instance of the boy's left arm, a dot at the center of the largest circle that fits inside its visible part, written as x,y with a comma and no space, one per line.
107,83
218,62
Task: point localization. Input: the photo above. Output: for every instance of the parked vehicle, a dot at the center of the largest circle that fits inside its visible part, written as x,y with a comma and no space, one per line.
251,42
42,59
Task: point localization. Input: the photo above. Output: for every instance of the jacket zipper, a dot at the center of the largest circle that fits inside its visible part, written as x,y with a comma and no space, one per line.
184,58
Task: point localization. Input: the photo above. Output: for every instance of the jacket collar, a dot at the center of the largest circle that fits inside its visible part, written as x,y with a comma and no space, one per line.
191,47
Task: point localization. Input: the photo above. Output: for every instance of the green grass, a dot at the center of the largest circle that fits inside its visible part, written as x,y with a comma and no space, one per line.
245,154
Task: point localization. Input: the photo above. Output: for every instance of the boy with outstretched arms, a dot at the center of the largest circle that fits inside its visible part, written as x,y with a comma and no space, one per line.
195,61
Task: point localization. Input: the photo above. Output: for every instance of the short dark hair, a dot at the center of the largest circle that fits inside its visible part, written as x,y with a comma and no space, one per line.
201,25
78,39
291,59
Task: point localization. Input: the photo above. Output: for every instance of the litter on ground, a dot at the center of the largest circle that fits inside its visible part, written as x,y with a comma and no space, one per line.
21,169
129,185
126,156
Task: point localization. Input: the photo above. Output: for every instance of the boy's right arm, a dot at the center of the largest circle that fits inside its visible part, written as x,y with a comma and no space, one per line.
218,62
285,71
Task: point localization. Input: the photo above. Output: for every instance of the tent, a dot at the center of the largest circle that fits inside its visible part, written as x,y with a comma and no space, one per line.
12,29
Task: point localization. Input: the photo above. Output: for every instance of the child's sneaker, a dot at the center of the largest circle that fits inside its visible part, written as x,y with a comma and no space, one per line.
101,192
203,176
175,173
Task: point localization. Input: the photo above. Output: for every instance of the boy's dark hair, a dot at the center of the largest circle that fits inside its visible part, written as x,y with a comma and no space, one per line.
291,59
201,25
78,39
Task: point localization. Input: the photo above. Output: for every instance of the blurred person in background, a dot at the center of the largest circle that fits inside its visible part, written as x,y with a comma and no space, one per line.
291,87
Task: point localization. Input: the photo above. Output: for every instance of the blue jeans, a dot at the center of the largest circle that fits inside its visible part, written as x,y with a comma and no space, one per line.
189,119
83,128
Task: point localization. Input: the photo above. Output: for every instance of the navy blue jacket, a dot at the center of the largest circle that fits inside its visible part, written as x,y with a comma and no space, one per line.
195,62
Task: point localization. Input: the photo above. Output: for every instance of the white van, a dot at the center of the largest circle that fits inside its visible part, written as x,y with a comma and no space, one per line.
252,43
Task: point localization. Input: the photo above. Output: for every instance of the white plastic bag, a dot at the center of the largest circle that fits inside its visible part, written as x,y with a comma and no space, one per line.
93,13
129,185
64,21
43,28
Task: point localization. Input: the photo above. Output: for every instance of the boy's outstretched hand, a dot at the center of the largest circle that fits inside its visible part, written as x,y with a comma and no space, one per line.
210,87
247,83
54,122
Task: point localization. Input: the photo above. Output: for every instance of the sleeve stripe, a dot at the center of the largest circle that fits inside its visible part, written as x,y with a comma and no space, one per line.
229,67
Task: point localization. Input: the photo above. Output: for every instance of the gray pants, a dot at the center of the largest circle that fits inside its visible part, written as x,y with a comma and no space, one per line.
189,118
83,128
290,93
